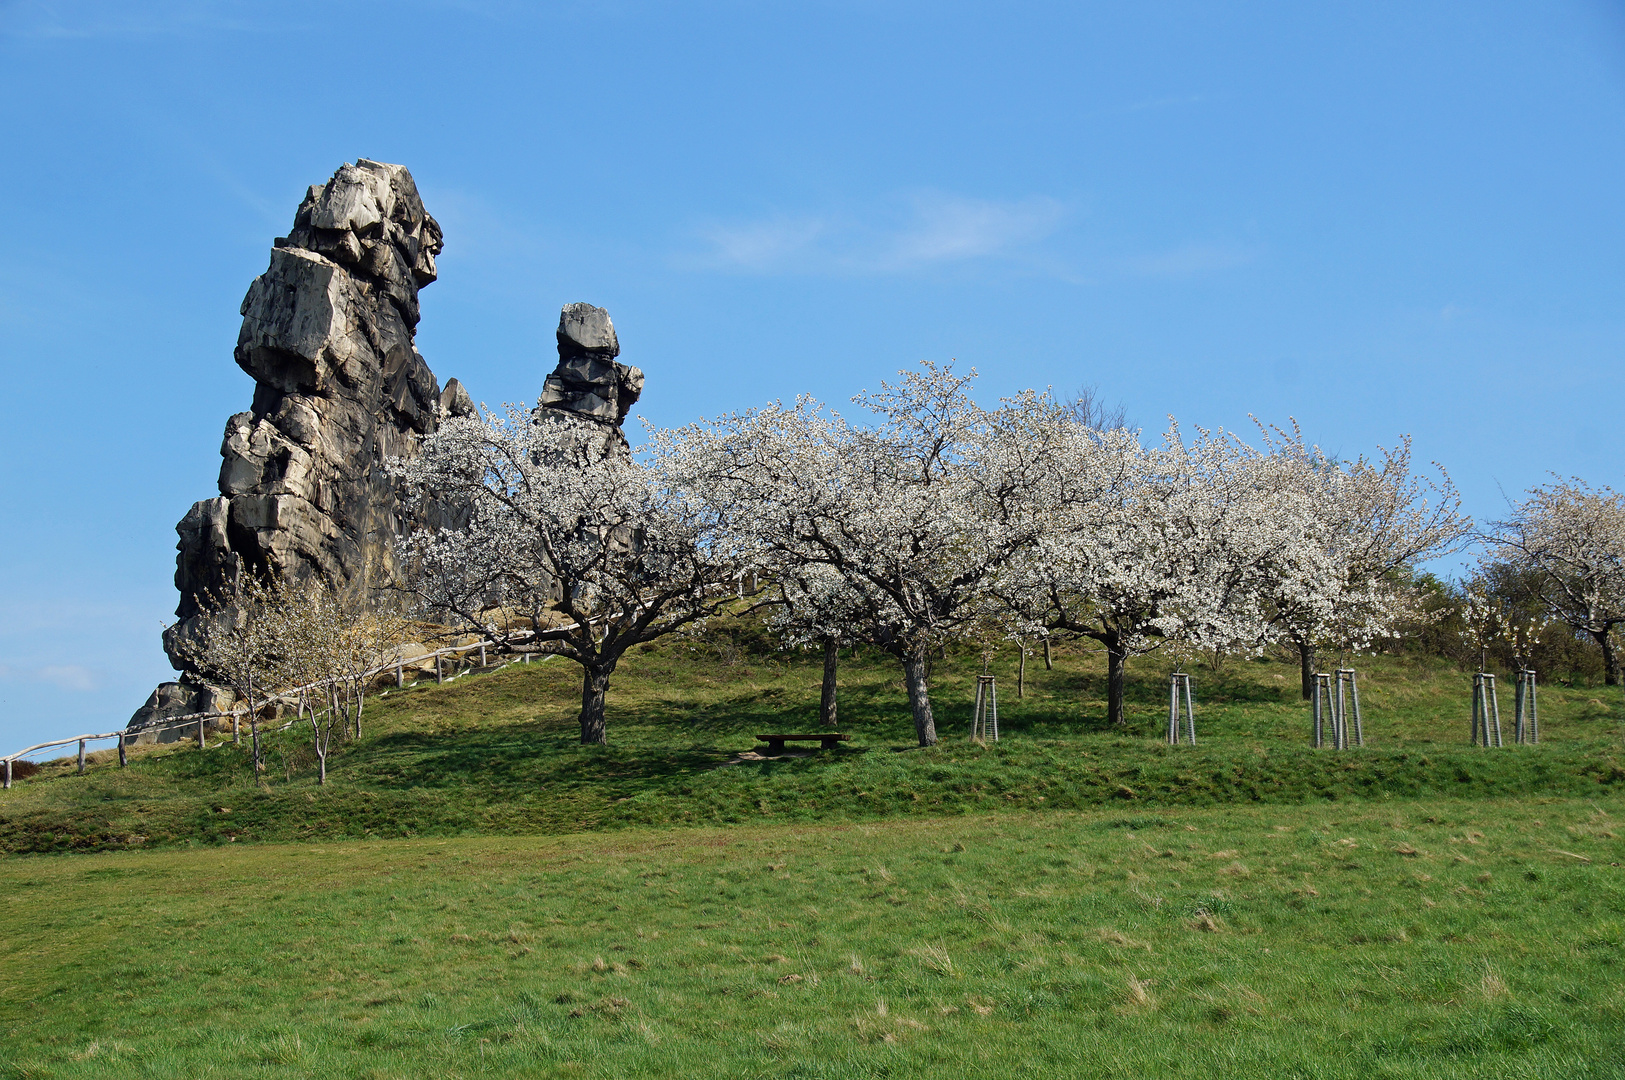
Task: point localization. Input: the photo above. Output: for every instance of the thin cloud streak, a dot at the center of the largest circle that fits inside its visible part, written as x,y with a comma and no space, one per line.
1166,102
40,20
932,229
74,677
1190,260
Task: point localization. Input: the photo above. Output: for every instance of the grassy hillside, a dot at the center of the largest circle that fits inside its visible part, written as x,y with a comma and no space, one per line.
1408,939
497,753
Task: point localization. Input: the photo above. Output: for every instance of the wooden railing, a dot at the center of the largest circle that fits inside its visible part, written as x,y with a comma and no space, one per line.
398,665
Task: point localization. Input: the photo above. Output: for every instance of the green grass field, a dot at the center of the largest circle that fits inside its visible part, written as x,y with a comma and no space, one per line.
1414,939
499,754
474,892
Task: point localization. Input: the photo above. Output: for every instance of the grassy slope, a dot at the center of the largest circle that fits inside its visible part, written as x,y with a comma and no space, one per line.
1408,939
497,754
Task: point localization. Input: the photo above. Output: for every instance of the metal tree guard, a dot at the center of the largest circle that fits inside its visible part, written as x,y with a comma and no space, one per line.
1347,676
1486,711
1335,701
1177,682
1319,707
985,719
1325,712
1525,711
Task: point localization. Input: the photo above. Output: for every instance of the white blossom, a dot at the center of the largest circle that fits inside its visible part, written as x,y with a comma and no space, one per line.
570,544
1570,537
890,533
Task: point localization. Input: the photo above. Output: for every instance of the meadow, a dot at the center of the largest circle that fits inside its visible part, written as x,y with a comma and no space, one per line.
498,753
1432,938
474,893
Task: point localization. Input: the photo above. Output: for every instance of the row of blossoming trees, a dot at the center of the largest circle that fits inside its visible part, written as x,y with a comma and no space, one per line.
932,521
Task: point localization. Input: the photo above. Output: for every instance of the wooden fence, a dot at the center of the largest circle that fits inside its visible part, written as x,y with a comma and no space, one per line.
201,720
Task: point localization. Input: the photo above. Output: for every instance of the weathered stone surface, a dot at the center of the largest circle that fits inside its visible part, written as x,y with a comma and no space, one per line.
339,389
176,699
454,400
588,381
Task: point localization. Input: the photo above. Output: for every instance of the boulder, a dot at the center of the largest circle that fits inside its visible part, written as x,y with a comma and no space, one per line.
155,722
588,381
454,400
340,387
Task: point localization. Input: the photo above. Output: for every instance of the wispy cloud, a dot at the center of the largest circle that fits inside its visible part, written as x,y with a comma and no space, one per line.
775,244
63,676
1167,102
87,19
1190,260
951,228
68,677
924,230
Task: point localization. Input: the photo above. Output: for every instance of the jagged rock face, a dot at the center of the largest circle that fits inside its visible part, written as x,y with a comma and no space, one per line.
155,722
589,382
340,388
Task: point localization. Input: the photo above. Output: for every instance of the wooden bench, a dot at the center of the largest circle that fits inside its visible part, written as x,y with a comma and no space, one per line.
827,740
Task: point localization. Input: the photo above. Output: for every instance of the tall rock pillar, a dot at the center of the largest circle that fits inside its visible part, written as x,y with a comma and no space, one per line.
339,388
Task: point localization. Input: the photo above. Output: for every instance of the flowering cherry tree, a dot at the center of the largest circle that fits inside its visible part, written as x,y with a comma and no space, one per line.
815,606
890,533
1343,584
1153,543
1570,538
586,548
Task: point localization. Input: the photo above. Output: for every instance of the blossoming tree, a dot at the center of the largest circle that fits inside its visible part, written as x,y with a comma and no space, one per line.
586,548
904,521
1153,543
1570,539
1344,585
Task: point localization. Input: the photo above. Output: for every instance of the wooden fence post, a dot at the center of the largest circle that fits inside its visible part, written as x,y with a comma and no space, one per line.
438,676
200,733
81,757
8,774
400,676
482,654
123,755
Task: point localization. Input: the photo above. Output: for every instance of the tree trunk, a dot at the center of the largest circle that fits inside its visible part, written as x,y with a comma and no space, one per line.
594,686
1049,664
321,767
919,697
1306,662
1021,670
1116,659
254,728
1610,658
826,699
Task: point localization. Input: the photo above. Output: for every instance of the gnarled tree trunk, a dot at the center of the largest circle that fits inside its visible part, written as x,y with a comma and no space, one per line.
826,700
1306,663
919,697
1610,658
1116,662
594,688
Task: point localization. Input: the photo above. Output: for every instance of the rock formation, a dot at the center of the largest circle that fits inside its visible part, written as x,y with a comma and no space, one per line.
589,382
339,388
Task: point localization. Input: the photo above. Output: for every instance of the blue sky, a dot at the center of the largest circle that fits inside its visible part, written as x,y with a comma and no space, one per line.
1378,218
